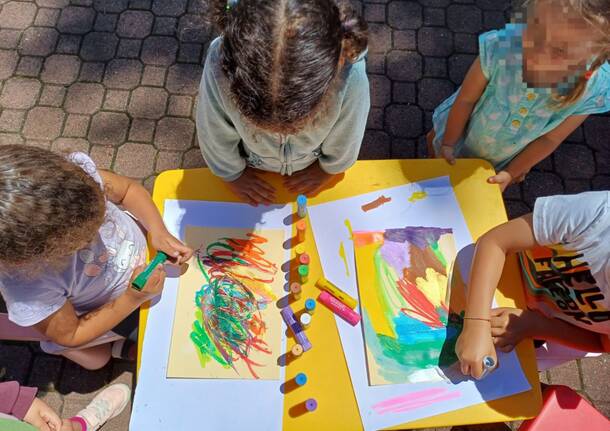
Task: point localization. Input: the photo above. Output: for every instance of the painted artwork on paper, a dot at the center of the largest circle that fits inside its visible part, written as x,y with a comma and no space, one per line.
411,315
227,325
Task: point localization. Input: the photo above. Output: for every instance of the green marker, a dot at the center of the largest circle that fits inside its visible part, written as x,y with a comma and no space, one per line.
141,279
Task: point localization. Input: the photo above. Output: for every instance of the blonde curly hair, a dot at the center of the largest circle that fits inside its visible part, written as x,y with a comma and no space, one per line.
49,208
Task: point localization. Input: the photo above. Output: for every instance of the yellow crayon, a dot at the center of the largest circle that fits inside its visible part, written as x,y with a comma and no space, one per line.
326,285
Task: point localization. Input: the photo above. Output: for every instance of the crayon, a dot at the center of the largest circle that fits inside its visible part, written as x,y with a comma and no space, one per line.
300,379
339,308
304,259
311,404
303,273
310,305
305,319
295,327
139,282
297,350
299,250
301,230
326,285
301,206
295,289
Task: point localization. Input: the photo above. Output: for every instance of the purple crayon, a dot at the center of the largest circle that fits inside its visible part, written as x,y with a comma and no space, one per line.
296,328
311,405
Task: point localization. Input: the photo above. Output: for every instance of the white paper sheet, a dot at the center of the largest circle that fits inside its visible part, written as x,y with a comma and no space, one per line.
439,208
166,404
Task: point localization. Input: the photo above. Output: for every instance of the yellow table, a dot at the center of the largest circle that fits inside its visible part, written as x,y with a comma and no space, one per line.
325,366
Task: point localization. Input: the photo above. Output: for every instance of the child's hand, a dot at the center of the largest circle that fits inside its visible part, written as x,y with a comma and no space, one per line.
164,241
473,344
511,325
308,181
505,179
42,416
152,288
252,189
448,153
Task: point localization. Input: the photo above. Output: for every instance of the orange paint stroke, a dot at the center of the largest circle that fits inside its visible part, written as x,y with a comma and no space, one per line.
376,203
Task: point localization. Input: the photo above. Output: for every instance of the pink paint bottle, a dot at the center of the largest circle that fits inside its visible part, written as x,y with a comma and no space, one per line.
339,308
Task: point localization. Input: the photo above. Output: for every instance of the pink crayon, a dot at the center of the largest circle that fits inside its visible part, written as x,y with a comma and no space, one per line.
339,308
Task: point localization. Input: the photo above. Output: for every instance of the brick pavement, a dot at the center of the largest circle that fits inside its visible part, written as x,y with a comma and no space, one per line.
118,79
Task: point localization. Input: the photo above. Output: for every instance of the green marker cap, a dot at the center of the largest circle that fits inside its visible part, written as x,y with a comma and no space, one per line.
303,270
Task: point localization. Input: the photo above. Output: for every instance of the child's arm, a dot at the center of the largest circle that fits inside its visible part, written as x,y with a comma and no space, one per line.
475,341
472,88
136,199
536,151
66,328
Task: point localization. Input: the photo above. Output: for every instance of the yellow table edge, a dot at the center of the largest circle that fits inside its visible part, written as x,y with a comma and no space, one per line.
483,208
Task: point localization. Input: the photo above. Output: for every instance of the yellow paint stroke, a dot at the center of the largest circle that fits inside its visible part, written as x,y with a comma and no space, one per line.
348,225
344,258
417,196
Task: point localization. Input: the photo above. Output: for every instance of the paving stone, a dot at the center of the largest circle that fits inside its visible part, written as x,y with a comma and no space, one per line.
52,95
16,361
148,102
135,160
140,4
17,15
380,38
46,17
404,66
159,50
375,119
141,130
84,98
102,156
136,24
601,182
52,399
404,39
174,133
431,92
116,100
381,90
516,209
110,6
597,130
459,64
513,191
168,160
98,46
8,63
165,26
435,41
70,145
73,403
193,159
577,186
154,76
11,120
38,41
60,69
595,371
374,12
375,64
375,145
179,106
566,374
404,15
466,43
574,161
492,4
404,121
192,28
76,20
190,53
404,92
403,148
92,72
184,79
29,66
434,17
76,125
173,8
10,139
129,48
149,183
123,74
435,67
58,4
69,44
108,128
43,123
493,20
19,93
435,3
106,22
577,135
9,38
464,18
603,407
541,184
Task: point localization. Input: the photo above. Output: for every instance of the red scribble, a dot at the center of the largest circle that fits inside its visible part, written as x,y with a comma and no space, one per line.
420,304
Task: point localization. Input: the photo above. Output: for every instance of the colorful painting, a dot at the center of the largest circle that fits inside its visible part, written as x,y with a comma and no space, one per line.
227,324
411,316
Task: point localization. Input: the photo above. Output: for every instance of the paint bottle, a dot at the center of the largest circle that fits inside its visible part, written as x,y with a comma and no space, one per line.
310,305
303,273
300,379
296,351
305,319
295,289
301,230
304,259
301,206
299,250
326,285
311,405
339,308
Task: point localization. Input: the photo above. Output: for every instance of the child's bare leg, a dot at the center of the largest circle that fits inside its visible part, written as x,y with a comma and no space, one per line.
91,358
429,140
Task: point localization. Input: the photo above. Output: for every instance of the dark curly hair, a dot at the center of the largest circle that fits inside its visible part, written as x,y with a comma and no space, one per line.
49,208
282,56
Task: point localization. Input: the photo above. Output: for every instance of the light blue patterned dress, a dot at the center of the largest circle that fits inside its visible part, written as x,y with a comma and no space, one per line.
509,115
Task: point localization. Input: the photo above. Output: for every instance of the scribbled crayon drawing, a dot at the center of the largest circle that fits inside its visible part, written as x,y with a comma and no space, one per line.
227,324
404,281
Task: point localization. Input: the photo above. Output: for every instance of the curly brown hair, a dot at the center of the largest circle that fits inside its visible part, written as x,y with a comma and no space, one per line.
49,208
281,57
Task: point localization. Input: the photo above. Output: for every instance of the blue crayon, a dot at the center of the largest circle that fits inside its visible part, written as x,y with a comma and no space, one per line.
301,206
310,305
300,379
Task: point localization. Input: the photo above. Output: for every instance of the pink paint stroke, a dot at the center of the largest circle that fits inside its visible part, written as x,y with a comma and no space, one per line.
415,400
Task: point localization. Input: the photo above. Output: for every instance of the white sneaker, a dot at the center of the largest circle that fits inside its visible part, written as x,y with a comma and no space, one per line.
106,405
